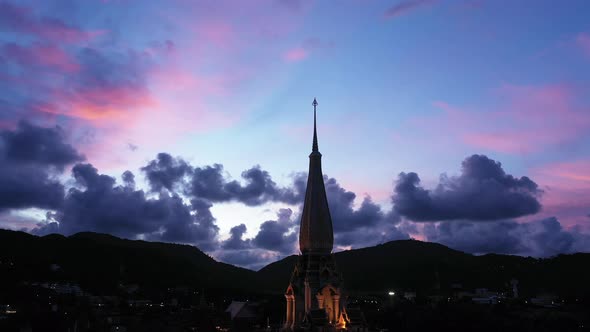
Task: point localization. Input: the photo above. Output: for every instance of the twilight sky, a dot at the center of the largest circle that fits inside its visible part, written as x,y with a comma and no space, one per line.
463,122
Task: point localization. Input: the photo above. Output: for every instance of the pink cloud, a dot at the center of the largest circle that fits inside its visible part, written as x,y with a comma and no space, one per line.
567,190
575,174
176,105
102,104
528,119
295,54
40,55
206,79
309,46
219,32
583,41
500,142
104,87
405,7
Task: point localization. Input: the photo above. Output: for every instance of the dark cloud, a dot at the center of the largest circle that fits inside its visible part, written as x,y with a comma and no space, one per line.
31,158
98,204
278,235
344,217
205,230
540,238
368,225
235,241
128,179
498,237
275,239
180,226
166,172
296,193
87,176
259,187
213,184
483,191
548,238
210,183
30,144
28,186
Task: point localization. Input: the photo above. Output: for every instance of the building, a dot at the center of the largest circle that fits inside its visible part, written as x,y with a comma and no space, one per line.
245,316
314,295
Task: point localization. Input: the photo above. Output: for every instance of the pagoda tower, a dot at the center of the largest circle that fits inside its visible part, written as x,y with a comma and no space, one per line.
314,294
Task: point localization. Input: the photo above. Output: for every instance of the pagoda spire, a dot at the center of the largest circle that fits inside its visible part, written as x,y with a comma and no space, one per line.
315,233
314,293
315,133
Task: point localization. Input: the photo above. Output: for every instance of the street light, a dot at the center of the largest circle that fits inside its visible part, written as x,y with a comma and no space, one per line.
391,293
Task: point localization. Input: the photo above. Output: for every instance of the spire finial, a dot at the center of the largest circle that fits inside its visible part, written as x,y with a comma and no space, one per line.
315,134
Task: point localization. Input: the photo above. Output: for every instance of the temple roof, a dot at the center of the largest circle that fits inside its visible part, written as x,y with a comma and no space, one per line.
315,233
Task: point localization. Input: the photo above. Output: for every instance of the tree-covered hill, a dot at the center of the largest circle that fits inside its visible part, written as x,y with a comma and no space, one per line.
102,262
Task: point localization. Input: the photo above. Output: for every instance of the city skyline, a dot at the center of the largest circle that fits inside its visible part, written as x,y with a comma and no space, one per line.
192,123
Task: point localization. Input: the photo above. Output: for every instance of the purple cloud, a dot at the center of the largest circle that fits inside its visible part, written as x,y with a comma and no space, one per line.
483,191
98,204
539,238
31,158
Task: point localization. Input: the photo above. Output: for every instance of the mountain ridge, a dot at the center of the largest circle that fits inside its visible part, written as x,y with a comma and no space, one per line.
102,261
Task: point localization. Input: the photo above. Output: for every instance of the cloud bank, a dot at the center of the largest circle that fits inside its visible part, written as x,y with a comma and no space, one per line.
540,238
31,159
473,211
483,192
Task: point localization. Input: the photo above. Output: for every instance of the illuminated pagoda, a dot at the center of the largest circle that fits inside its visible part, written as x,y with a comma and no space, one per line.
314,295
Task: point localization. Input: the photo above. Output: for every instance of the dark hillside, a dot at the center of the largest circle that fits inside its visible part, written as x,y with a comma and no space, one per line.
100,262
430,267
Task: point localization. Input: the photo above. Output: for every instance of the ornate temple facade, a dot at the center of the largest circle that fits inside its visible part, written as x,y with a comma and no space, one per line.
314,295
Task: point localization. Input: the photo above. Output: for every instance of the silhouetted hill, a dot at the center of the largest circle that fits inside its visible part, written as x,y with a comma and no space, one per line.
430,267
100,262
